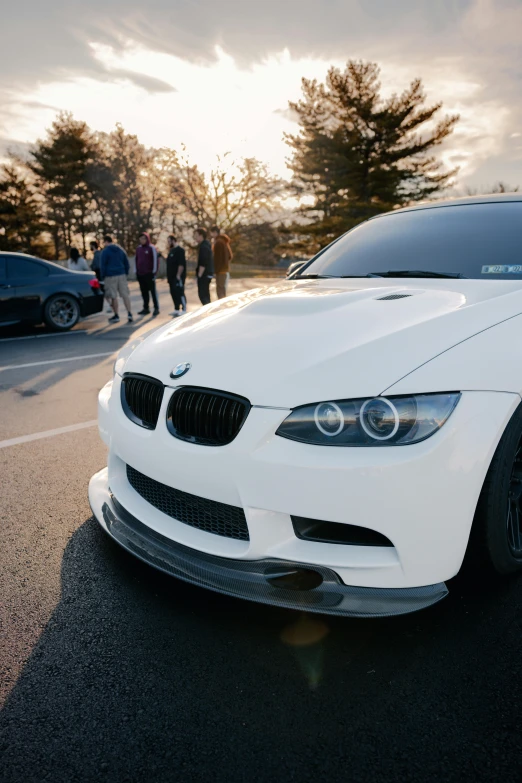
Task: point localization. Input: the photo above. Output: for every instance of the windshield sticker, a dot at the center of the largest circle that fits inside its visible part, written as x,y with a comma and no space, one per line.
500,269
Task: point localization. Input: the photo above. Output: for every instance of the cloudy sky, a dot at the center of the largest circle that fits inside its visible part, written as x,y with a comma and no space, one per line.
217,75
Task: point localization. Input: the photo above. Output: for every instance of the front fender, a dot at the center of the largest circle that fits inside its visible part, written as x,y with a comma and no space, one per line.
489,361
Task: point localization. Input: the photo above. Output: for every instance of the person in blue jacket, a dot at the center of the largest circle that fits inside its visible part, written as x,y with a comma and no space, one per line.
114,268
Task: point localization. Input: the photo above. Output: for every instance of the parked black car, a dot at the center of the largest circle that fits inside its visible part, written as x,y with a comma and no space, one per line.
41,291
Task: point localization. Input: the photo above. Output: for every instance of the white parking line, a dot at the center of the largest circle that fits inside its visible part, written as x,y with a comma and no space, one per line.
56,361
41,336
47,434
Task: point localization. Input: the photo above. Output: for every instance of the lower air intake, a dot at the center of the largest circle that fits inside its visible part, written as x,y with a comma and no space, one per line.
337,533
208,515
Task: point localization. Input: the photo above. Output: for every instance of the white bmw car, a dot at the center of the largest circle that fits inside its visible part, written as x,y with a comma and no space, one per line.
341,441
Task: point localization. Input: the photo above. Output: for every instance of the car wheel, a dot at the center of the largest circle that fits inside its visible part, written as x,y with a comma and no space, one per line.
496,538
61,312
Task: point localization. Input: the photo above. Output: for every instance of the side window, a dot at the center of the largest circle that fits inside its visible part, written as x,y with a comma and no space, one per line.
25,268
3,269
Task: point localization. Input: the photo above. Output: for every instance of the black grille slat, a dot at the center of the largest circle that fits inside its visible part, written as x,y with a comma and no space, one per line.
207,420
141,399
237,413
221,417
231,417
210,516
205,416
199,419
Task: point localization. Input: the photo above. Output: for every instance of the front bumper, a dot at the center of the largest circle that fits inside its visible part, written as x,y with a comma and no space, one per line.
422,497
254,580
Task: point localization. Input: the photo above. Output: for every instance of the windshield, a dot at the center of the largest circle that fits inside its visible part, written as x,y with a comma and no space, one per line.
481,241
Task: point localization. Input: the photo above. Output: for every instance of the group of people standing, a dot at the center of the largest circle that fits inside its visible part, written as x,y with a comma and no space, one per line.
112,266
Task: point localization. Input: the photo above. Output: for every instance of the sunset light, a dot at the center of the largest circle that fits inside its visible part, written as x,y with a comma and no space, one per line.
260,391
218,102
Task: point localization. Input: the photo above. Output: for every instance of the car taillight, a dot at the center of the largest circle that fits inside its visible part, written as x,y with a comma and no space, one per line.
94,282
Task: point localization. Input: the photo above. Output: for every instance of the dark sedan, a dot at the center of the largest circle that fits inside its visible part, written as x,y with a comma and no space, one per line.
39,291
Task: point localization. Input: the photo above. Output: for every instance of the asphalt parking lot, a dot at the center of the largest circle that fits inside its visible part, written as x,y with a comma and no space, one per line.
112,671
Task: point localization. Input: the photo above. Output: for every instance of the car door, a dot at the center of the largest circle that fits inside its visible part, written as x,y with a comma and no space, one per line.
6,294
29,280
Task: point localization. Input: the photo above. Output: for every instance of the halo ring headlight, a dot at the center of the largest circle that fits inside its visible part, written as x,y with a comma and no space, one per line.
329,419
372,429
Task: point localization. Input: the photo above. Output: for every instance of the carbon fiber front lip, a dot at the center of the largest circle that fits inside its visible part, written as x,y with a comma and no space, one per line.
247,578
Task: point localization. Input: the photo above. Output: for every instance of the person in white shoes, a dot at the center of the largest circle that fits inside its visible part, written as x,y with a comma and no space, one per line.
114,270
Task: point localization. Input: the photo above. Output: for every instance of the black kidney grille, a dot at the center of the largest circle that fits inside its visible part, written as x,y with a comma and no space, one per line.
208,515
141,398
205,416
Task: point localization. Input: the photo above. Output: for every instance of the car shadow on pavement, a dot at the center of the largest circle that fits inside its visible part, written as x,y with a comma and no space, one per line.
30,381
138,676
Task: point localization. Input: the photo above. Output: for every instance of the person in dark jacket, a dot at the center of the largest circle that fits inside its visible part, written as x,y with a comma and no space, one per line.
176,275
96,258
222,258
114,268
205,265
146,271
96,268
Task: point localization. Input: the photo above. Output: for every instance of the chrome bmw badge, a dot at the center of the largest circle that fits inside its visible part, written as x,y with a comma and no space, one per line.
180,369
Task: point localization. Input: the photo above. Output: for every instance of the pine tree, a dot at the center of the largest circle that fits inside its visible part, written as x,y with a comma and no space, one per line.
21,224
358,154
61,164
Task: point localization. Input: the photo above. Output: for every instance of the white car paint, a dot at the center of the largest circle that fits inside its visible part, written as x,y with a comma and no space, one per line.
301,342
297,342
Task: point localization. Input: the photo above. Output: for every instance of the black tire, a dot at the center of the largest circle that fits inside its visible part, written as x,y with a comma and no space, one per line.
61,312
496,536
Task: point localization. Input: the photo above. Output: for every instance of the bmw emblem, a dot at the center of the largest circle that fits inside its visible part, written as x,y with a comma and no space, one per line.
180,370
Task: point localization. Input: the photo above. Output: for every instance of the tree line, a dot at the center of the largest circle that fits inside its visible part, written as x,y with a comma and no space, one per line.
76,184
355,154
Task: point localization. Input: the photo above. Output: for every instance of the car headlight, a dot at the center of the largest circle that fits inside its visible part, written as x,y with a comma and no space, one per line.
378,421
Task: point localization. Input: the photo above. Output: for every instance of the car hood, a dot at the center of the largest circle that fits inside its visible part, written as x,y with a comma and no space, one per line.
297,342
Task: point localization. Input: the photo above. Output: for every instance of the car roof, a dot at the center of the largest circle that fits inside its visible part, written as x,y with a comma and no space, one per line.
52,264
492,198
22,255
